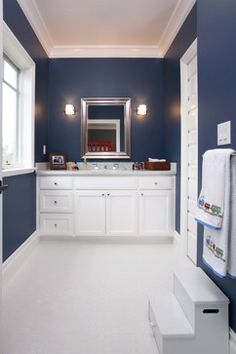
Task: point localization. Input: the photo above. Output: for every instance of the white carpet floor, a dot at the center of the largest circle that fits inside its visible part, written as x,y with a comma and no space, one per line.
78,298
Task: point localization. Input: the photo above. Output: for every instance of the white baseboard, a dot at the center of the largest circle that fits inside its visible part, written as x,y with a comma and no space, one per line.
16,259
232,342
111,240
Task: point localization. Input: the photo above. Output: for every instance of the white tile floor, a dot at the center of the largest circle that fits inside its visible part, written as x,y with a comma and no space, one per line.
78,298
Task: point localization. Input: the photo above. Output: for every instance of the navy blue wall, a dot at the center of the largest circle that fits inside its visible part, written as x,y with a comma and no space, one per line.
19,213
19,205
140,79
183,40
217,95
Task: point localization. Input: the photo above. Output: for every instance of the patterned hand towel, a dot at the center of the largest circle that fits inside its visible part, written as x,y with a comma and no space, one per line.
216,237
214,196
232,234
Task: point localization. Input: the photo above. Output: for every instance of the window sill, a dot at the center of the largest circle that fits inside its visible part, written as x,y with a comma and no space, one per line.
17,171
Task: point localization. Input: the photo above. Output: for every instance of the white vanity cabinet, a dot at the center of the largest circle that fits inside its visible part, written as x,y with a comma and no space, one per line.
112,206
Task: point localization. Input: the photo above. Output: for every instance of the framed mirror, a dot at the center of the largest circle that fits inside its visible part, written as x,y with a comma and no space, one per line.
105,128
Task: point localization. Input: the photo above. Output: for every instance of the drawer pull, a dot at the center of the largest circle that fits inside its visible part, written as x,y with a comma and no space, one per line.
156,184
55,202
103,194
55,225
55,183
142,194
108,194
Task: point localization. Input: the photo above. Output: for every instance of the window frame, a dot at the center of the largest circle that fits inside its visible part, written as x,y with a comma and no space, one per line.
17,55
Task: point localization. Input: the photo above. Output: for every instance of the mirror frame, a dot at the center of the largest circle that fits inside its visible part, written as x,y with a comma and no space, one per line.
85,103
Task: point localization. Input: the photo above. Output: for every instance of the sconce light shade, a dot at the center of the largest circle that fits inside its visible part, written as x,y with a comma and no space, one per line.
142,110
69,110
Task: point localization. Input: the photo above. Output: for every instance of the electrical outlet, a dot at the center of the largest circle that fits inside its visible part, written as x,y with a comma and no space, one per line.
224,133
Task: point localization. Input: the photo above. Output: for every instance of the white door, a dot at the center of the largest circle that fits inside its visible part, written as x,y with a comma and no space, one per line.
189,149
121,211
90,213
154,213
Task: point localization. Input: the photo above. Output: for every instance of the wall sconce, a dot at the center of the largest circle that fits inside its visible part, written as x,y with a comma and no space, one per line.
142,110
69,110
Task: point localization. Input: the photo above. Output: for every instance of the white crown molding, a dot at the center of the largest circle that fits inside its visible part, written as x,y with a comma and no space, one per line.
105,52
36,21
174,24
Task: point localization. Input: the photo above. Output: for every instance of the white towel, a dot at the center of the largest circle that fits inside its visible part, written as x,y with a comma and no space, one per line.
214,196
232,236
216,241
156,160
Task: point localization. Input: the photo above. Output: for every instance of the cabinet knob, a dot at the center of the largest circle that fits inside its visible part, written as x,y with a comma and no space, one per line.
103,194
156,184
55,183
108,194
55,202
142,194
55,225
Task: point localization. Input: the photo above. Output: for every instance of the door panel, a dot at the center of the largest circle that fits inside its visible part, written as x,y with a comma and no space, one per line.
189,102
90,213
121,209
155,213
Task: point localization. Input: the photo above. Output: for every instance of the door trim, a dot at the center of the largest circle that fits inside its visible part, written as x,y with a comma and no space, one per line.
190,53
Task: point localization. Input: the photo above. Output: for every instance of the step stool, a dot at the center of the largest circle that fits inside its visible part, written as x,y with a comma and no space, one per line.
193,319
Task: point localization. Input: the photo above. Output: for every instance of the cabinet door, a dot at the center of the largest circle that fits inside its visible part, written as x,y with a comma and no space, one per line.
155,213
121,213
90,213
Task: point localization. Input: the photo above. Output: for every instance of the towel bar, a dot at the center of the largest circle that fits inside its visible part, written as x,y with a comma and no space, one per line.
233,154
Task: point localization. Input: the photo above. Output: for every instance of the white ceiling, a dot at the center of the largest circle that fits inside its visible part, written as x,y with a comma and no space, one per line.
133,28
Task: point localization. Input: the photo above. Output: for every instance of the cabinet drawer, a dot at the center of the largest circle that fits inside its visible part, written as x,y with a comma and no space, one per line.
57,182
56,201
155,183
56,224
105,183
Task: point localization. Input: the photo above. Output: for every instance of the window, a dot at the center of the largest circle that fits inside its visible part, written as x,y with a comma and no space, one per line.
18,90
10,115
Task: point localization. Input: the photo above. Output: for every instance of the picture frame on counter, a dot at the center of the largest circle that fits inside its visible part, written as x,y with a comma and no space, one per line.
57,161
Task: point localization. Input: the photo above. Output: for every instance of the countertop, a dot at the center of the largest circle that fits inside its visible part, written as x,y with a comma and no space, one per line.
101,172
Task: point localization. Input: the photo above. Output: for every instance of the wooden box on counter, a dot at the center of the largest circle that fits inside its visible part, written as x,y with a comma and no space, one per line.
161,165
